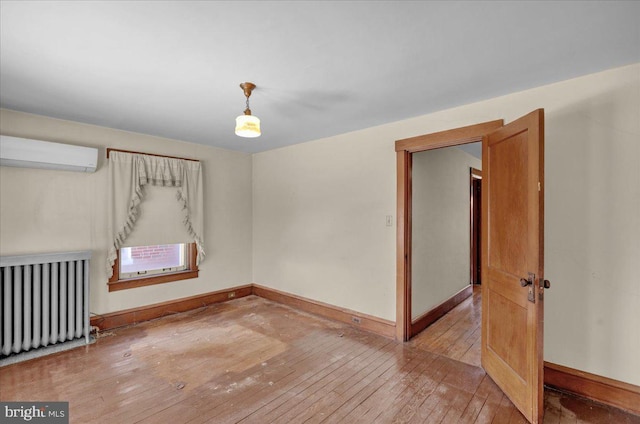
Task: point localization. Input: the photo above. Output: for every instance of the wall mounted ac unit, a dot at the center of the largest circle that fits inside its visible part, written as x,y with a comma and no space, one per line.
27,153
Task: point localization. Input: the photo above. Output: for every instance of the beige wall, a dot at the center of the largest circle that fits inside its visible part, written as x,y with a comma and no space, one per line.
319,215
321,209
441,226
53,211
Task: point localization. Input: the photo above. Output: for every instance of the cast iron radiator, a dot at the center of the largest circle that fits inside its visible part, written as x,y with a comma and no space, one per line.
44,300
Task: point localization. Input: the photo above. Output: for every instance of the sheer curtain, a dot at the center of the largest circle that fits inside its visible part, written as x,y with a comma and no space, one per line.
130,176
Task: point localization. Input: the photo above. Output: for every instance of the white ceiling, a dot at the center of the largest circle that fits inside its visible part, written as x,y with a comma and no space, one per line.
172,69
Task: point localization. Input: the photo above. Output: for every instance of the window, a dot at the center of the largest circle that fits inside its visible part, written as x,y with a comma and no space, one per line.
140,261
153,201
139,266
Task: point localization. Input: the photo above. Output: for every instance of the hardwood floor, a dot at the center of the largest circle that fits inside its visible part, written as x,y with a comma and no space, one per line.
457,334
255,361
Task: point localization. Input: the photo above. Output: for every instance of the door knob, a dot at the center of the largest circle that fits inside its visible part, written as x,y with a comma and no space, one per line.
525,282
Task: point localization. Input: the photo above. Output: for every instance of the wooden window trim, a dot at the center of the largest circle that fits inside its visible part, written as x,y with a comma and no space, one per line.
116,284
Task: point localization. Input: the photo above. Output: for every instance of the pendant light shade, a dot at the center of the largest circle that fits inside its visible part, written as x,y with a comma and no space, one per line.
247,125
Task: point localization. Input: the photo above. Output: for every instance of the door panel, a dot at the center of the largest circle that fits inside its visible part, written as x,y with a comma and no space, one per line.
509,213
514,352
512,220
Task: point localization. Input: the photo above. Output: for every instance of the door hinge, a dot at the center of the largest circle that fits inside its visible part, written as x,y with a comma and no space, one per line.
539,186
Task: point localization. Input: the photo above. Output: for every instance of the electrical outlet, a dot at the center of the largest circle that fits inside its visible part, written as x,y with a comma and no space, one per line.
355,320
232,295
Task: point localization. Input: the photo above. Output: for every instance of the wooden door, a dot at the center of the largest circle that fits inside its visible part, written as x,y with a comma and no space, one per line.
512,255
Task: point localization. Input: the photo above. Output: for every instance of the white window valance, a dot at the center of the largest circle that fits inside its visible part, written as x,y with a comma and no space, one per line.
129,174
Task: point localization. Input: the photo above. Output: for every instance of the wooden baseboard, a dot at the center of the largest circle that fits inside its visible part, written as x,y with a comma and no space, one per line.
144,313
366,322
600,389
439,311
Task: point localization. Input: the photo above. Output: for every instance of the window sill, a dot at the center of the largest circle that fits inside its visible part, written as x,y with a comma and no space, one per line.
148,281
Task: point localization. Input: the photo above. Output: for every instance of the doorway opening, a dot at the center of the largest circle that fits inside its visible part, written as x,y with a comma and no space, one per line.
408,325
452,194
475,245
511,258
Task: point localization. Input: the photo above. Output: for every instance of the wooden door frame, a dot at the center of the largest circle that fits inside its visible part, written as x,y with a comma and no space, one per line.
474,263
404,153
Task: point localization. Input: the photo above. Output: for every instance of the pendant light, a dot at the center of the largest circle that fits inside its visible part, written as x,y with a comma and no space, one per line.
247,125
